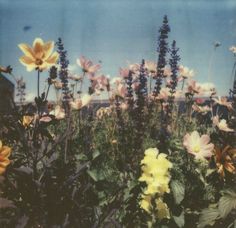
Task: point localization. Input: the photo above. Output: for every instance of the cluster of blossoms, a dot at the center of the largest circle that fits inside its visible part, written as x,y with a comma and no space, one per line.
155,173
5,152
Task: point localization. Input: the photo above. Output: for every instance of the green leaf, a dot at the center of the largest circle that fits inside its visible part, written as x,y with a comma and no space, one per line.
227,203
208,216
179,220
93,174
178,190
96,153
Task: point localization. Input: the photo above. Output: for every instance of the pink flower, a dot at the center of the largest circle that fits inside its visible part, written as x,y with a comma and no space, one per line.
193,87
121,90
185,72
221,124
198,146
201,109
151,67
164,94
223,101
87,65
167,72
124,72
81,102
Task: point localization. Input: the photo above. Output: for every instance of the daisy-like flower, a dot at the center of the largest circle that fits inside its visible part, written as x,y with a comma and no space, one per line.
193,87
201,109
87,65
233,49
151,67
124,72
57,84
221,124
5,152
164,94
167,72
223,101
58,112
185,72
81,102
224,161
198,146
40,56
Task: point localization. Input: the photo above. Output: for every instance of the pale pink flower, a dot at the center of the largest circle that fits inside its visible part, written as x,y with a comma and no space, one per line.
124,72
164,94
75,77
121,90
87,65
116,80
223,101
193,87
81,102
58,112
124,106
167,72
197,145
208,89
135,85
45,119
100,82
221,124
57,84
151,67
134,67
185,72
201,109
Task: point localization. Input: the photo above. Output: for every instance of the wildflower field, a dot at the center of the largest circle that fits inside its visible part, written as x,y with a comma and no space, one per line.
160,152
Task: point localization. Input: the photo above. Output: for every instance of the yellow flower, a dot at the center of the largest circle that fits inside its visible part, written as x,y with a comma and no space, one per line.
40,56
5,152
27,120
145,203
162,209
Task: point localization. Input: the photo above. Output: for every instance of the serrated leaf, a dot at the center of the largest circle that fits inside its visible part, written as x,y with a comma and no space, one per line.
179,220
227,203
178,190
208,216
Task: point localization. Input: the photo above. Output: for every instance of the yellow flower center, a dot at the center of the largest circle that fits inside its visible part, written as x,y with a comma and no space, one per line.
38,62
196,148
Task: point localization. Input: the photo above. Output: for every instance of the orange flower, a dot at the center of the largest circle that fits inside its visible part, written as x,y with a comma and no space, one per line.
40,57
224,160
27,120
5,152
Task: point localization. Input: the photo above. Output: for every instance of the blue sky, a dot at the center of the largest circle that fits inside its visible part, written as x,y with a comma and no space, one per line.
117,31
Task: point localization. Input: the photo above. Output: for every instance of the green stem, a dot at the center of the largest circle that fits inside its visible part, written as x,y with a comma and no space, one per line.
38,81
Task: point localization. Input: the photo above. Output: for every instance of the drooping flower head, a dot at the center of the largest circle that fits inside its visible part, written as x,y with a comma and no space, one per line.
198,146
40,56
58,112
224,102
5,152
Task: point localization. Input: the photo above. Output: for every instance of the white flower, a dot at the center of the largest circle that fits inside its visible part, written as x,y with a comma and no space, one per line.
221,124
198,145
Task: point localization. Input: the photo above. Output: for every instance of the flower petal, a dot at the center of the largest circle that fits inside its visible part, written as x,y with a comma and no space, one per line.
53,58
5,151
27,50
48,48
38,48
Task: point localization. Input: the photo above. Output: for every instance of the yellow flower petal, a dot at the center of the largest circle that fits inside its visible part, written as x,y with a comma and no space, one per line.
38,48
26,60
48,48
53,58
0,144
27,50
2,170
4,162
5,151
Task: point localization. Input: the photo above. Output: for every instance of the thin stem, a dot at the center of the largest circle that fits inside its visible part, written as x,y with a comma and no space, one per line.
38,81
